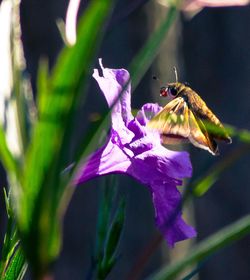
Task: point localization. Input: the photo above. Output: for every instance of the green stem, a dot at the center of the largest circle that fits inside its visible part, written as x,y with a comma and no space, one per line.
206,248
18,65
146,56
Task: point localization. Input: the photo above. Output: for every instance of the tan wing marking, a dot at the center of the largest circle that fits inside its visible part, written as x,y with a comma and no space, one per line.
172,122
212,123
159,120
199,136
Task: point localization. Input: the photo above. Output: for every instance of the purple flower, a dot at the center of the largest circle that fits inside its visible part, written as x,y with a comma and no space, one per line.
133,149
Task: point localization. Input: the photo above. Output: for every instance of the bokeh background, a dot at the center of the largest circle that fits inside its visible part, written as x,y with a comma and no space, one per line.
212,52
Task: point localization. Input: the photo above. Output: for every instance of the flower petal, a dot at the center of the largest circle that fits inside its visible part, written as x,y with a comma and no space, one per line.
147,112
107,160
192,5
135,150
112,83
167,199
160,163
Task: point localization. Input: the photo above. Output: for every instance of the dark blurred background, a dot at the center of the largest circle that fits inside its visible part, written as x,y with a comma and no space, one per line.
212,52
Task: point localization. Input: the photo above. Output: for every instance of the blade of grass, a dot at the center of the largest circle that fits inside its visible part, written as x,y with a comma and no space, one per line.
57,101
195,271
201,185
113,236
18,67
17,267
198,187
209,246
7,158
144,257
108,195
10,253
145,57
242,134
39,220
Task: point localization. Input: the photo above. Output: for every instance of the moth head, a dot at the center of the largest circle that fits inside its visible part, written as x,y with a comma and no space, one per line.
171,90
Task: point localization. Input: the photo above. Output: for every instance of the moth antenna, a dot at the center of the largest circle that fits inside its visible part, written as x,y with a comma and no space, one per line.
176,74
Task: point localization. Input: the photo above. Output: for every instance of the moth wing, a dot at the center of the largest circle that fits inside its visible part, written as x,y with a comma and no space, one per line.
212,123
216,128
199,135
172,122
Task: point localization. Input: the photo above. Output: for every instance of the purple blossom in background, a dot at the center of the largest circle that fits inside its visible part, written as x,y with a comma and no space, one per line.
134,150
194,6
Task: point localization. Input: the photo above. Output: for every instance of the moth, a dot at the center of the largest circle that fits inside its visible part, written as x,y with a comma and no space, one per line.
186,118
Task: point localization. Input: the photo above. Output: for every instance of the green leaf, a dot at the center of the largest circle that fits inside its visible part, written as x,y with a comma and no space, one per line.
145,57
242,134
106,264
39,215
201,185
109,228
7,203
17,267
115,231
61,28
11,239
6,157
108,193
206,248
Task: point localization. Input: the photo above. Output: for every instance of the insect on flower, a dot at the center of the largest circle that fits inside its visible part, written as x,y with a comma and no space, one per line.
187,117
132,149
